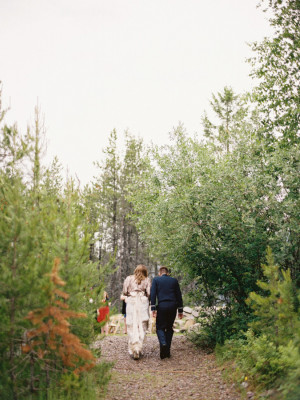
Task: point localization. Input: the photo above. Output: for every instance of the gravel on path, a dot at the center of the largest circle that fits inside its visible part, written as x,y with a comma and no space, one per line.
189,374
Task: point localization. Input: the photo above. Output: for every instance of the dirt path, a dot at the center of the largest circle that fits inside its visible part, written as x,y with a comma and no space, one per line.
188,374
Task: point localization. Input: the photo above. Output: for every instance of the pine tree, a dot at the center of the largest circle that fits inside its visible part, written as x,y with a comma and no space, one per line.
40,218
132,249
117,241
231,111
107,189
276,65
276,309
50,343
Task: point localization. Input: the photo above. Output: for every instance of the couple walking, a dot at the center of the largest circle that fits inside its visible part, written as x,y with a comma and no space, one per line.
166,299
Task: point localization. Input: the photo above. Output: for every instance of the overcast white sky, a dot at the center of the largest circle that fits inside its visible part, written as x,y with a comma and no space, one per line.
141,65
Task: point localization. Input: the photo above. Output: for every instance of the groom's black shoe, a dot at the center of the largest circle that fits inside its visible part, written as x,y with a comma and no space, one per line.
163,351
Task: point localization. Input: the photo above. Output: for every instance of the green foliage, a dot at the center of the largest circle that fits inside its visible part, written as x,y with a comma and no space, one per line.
277,66
116,237
290,354
205,217
231,111
269,354
260,359
40,219
276,313
49,343
217,326
90,385
211,217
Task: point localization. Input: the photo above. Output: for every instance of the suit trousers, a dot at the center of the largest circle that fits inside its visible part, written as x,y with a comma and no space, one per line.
166,314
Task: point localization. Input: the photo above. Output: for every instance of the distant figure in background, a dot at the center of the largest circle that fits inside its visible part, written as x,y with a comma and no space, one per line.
124,315
167,292
103,313
136,292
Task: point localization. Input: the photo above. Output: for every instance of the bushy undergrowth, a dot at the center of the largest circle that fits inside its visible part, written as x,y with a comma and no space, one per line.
217,326
269,354
265,364
91,386
258,358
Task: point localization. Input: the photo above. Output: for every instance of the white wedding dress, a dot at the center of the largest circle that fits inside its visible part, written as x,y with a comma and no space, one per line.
137,313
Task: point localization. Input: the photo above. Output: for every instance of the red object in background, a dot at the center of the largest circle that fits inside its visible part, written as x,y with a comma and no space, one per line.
103,314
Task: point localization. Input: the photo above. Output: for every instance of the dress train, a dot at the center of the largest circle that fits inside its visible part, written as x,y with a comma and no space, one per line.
137,319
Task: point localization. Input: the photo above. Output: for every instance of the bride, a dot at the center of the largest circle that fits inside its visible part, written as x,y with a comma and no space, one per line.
136,293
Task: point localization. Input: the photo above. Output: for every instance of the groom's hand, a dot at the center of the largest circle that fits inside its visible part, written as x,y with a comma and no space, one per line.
154,313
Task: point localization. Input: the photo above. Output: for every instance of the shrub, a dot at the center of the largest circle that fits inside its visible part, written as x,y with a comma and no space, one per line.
221,325
260,360
290,386
270,353
91,385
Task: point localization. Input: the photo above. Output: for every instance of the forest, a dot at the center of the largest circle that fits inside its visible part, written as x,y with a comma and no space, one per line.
220,209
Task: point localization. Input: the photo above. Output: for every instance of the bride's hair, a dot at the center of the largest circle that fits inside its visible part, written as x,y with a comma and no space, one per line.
140,273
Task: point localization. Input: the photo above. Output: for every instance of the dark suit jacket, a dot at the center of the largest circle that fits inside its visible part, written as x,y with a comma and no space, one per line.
166,289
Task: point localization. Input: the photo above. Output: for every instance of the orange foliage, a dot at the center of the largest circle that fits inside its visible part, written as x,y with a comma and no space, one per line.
52,333
61,304
61,294
26,348
55,278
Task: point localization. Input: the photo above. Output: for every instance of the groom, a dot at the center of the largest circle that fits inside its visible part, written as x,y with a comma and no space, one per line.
168,294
